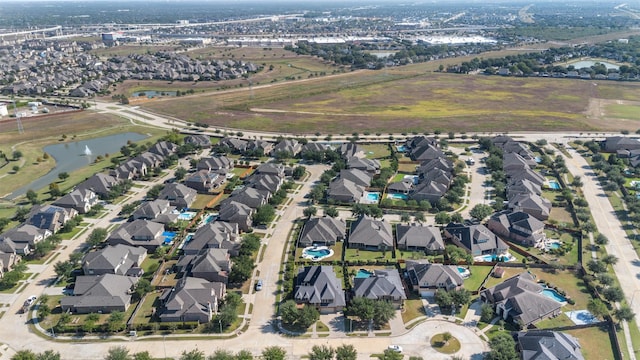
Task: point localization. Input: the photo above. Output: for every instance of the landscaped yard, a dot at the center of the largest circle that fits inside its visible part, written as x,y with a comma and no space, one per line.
594,342
376,151
144,314
352,255
478,274
201,201
412,309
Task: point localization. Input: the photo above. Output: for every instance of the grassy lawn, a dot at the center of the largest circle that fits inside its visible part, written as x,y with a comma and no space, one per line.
201,201
446,347
411,255
561,215
321,327
143,316
376,151
508,272
407,167
478,274
594,342
558,321
337,254
631,112
412,309
366,255
69,235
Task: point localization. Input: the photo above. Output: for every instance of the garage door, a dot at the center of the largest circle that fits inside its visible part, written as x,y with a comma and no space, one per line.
427,294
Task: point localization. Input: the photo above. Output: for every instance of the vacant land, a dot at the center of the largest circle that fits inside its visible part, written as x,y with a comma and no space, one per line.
398,100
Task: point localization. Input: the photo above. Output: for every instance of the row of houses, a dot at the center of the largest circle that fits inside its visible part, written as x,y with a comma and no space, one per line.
524,184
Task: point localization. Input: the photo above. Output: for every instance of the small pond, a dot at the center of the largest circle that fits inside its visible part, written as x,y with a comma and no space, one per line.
589,63
153,93
72,156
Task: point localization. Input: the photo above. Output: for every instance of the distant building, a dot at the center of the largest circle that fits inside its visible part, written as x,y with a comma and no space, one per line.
3,110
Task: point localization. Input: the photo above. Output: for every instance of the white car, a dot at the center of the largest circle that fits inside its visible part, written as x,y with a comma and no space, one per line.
396,348
30,300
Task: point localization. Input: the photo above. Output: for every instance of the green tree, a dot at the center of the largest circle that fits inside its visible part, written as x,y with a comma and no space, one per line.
32,196
346,352
442,218
43,311
97,236
115,321
48,355
444,299
221,354
486,313
17,154
63,269
601,240
597,308
264,215
460,297
63,176
503,347
391,355
244,355
308,316
194,354
310,211
273,353
180,173
610,259
118,353
613,294
289,312
142,355
455,254
481,211
24,355
143,287
624,313
242,269
298,172
128,209
331,211
321,352
457,218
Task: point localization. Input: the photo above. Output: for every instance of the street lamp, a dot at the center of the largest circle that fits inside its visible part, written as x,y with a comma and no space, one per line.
220,323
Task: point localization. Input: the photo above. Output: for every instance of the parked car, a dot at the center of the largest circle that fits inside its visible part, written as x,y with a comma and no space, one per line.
259,285
396,348
30,300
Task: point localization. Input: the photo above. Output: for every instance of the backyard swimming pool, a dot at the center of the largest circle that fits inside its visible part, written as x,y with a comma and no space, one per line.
401,148
552,294
464,272
495,258
363,274
398,196
371,197
316,253
186,215
553,245
554,185
168,236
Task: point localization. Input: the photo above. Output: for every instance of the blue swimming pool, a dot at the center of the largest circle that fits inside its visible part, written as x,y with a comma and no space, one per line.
554,185
401,148
168,236
316,253
373,196
363,274
552,294
186,215
553,245
398,196
538,159
210,218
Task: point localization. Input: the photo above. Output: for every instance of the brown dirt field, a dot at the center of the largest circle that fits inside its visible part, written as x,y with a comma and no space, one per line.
402,101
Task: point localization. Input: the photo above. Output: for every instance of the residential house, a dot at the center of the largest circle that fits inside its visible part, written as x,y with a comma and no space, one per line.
203,181
519,227
292,147
248,196
475,239
320,287
615,143
100,294
220,164
271,168
129,170
419,238
7,261
82,200
201,141
345,191
430,191
534,205
192,299
401,187
441,163
420,141
370,234
236,213
385,285
179,195
519,299
9,246
144,233
349,150
426,152
516,175
150,160
50,217
322,231
371,166
164,148
235,145
313,147
159,211
357,176
426,278
100,183
548,345
119,260
23,235
260,146
513,162
209,264
265,182
214,235
523,186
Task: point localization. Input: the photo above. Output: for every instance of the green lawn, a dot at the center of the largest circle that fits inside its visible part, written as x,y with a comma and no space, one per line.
143,316
631,112
376,151
412,309
594,342
478,274
365,255
201,201
558,321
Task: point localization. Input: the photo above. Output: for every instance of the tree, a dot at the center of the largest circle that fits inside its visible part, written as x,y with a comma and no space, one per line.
221,354
447,337
308,316
391,355
75,258
503,347
601,240
32,196
442,218
63,269
244,355
613,294
274,353
17,154
143,287
596,266
97,236
457,218
624,313
154,192
289,312
180,173
63,176
331,211
481,211
597,308
242,269
444,299
115,321
142,355
15,168
43,311
455,254
3,223
610,259
118,353
321,352
264,214
346,352
48,355
486,313
24,355
419,216
460,297
298,172
405,218
194,354
310,211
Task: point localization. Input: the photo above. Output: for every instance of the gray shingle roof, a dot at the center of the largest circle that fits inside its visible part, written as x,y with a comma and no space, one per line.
116,259
383,285
371,233
548,345
419,236
322,230
319,285
100,291
426,275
